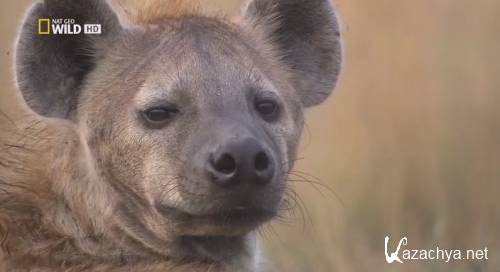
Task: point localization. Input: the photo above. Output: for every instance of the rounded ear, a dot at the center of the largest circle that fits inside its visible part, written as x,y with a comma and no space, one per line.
51,67
306,33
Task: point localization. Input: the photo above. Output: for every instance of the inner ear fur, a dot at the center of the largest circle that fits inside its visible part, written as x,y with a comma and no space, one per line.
50,68
306,34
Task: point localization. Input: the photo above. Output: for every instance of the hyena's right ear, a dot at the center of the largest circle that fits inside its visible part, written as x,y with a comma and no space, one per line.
307,37
50,68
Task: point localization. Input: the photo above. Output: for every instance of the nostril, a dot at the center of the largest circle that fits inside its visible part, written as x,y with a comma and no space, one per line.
264,169
261,161
225,164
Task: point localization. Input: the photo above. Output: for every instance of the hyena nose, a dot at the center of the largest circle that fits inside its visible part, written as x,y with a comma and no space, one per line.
241,161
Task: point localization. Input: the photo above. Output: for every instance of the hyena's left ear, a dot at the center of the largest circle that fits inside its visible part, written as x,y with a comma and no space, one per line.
306,33
51,67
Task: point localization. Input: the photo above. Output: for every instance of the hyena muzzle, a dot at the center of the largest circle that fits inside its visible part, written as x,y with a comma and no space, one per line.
164,143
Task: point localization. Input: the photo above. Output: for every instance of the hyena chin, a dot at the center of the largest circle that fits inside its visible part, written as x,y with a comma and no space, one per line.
163,143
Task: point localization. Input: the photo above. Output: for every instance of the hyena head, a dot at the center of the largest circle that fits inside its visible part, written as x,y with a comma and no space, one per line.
192,121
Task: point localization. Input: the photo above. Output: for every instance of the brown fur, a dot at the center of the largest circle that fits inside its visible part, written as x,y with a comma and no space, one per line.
153,12
91,190
45,219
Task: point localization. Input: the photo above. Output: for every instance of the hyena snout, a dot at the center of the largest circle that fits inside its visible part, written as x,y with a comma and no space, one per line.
240,161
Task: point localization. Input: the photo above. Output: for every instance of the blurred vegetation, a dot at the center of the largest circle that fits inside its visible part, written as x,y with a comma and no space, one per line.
410,143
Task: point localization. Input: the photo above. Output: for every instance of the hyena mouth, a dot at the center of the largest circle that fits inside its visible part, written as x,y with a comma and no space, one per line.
239,217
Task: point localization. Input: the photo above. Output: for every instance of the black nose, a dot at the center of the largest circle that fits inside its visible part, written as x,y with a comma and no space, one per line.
240,161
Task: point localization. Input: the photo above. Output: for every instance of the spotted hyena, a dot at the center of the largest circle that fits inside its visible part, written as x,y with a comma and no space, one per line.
163,143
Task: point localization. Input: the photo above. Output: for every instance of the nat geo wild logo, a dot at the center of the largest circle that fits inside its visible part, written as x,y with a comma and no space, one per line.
60,26
402,254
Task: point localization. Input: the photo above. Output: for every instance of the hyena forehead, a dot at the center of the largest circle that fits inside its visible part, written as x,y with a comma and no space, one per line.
203,57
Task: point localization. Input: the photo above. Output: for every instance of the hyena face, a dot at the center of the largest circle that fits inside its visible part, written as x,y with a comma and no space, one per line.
193,121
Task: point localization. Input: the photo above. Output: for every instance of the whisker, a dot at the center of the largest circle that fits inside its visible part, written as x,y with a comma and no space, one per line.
315,184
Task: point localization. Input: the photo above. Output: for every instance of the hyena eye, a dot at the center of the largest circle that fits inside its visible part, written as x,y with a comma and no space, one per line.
159,116
268,109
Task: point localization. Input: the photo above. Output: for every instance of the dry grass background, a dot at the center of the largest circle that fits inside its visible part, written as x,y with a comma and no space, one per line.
410,143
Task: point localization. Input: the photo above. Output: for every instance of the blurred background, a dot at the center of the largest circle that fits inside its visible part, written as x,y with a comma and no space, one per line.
409,145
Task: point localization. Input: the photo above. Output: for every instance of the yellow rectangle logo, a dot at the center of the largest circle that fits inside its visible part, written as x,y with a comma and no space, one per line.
43,26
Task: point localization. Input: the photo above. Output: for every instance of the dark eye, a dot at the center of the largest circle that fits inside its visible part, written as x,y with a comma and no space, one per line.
268,109
159,116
